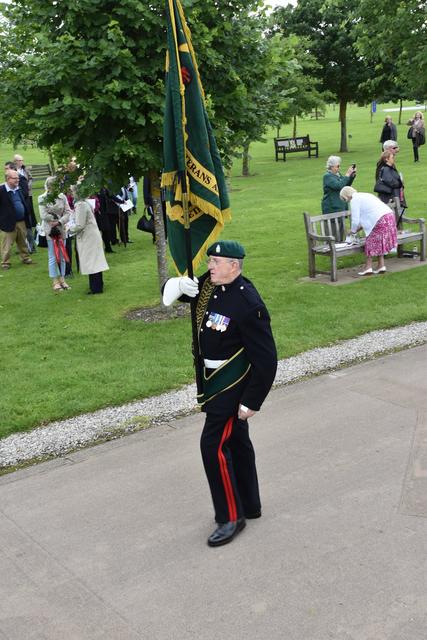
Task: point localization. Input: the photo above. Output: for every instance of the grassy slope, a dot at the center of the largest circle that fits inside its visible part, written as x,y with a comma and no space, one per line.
69,353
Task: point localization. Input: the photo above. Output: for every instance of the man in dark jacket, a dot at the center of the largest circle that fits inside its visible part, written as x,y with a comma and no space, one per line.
26,186
14,220
239,365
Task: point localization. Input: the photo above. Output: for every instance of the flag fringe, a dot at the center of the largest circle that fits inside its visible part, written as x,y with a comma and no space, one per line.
198,258
175,212
168,179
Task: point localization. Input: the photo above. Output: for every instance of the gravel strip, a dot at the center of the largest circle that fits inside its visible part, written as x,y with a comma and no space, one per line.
61,437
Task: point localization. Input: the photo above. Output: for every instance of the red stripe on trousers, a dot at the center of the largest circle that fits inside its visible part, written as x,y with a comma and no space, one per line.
226,480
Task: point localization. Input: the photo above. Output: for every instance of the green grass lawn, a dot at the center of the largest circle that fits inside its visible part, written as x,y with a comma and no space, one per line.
68,353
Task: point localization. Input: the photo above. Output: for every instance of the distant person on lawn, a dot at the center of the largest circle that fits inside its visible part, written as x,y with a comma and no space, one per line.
333,182
389,130
377,221
14,220
417,133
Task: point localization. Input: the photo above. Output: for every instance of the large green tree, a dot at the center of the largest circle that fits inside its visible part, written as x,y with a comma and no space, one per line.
392,36
295,82
86,76
329,26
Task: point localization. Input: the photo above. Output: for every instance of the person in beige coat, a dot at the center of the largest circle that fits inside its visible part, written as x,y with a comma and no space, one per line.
92,260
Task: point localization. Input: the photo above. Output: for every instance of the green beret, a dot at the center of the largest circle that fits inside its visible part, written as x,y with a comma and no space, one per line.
227,249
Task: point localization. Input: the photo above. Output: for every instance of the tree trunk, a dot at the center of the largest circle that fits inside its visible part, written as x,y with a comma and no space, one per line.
245,159
400,110
343,120
294,135
51,160
278,132
162,267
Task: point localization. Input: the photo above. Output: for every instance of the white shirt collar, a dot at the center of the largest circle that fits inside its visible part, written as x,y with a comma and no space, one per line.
9,189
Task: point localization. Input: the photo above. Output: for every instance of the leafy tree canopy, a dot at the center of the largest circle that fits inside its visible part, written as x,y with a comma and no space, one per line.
393,37
86,76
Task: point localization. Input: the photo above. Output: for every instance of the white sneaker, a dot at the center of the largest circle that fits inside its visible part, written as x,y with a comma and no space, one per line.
367,272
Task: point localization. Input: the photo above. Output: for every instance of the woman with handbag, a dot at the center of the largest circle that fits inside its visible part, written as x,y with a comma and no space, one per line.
417,133
389,184
54,215
377,221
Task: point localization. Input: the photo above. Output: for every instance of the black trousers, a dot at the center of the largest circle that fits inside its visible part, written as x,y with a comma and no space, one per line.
114,223
415,149
96,283
69,248
229,461
124,227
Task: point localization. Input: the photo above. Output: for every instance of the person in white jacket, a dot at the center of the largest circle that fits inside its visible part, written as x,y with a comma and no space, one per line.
377,221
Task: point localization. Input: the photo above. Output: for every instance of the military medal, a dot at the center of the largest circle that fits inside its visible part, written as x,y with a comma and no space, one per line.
217,322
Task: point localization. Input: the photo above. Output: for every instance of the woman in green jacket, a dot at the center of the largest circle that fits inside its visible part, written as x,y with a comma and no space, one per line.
333,182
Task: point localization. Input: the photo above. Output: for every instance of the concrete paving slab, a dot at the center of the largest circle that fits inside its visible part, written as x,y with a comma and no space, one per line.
348,275
111,542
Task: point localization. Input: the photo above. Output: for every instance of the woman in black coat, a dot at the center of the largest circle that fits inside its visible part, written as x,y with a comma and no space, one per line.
389,131
389,180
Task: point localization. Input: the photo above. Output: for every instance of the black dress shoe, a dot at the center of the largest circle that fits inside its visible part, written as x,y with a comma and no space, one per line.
254,515
226,532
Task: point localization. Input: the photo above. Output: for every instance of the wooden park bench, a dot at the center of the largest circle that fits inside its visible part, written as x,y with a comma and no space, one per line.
293,145
40,171
321,241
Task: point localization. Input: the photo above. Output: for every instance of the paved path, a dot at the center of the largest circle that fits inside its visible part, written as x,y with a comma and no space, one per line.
109,543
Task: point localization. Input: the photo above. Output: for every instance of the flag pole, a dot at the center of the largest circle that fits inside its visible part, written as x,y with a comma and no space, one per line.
190,272
186,216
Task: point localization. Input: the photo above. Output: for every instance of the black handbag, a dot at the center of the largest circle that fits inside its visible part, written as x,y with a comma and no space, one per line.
409,134
381,187
145,224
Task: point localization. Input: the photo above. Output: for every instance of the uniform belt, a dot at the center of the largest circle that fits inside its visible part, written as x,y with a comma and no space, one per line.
213,364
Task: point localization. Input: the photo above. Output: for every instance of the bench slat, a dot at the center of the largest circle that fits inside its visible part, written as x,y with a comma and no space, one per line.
40,171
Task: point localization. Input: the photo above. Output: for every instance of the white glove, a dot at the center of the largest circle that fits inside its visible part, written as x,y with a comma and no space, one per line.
189,287
176,287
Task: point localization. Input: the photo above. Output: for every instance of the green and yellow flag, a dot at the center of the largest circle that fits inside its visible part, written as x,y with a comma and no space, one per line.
190,151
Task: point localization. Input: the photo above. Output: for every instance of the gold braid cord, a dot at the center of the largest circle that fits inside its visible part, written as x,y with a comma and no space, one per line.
203,301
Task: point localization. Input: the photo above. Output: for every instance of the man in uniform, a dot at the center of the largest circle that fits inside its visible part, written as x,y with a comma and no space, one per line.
239,361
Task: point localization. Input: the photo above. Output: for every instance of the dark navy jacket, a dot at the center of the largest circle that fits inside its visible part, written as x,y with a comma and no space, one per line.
7,210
